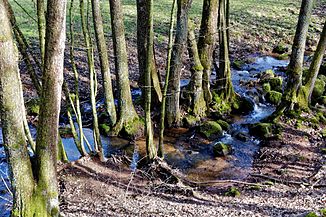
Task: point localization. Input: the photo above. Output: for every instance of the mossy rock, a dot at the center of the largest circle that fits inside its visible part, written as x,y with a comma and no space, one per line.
284,56
319,89
242,105
33,106
241,136
311,214
322,77
211,129
323,212
190,121
221,150
225,125
269,73
276,83
266,87
233,192
105,129
133,129
274,97
280,49
238,64
262,130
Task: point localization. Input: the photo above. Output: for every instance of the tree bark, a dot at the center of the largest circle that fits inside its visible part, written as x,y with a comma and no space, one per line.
11,101
127,112
47,131
198,102
206,43
104,61
173,110
41,26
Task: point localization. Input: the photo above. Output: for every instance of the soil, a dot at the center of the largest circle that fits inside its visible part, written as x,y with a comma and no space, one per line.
288,179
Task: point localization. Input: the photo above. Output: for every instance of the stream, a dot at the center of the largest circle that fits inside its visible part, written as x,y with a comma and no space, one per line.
197,162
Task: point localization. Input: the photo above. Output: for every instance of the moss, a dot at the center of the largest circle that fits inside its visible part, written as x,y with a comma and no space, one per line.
225,125
311,214
211,129
323,212
242,105
198,68
255,187
262,130
274,97
233,192
323,133
238,64
322,77
276,83
134,128
280,49
105,129
65,132
269,73
266,87
220,149
33,106
284,56
319,89
190,121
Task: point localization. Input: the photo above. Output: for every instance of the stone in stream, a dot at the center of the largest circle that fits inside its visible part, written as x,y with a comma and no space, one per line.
262,130
274,97
190,121
276,83
211,130
221,150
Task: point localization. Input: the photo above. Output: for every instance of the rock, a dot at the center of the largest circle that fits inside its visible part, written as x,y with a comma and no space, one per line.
242,136
105,129
211,129
276,83
225,125
280,49
311,214
266,87
238,64
190,121
221,150
274,97
269,73
319,89
233,192
261,130
243,106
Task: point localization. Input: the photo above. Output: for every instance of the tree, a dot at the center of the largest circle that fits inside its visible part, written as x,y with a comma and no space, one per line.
305,92
206,43
173,110
104,60
35,194
294,71
41,26
128,119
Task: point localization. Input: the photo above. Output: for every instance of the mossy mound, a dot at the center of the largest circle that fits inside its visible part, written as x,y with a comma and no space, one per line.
276,83
105,129
311,214
225,125
221,150
242,105
280,49
133,129
242,136
264,76
274,97
262,130
319,89
233,192
211,129
33,106
190,121
266,87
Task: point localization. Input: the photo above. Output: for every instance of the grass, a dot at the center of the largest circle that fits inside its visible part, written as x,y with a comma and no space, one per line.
259,25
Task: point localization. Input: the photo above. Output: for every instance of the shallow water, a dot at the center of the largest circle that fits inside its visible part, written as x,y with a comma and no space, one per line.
198,162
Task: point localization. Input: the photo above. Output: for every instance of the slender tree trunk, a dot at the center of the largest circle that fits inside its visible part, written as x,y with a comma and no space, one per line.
41,26
142,39
173,110
104,60
150,146
127,112
206,43
224,81
47,131
92,79
227,17
198,102
294,71
305,92
11,101
167,78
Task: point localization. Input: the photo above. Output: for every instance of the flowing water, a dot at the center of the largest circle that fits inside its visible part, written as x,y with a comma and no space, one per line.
196,161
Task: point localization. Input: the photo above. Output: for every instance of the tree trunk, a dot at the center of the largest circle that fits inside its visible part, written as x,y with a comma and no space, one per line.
92,80
104,60
224,82
198,102
47,131
11,102
206,43
127,113
41,26
173,110
305,92
142,39
167,78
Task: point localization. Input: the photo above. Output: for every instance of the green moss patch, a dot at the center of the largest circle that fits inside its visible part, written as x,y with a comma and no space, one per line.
211,130
274,97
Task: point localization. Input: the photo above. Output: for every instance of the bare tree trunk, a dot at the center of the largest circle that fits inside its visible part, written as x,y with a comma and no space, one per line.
47,131
206,43
305,92
11,101
127,113
92,80
167,78
173,110
224,82
104,60
41,26
198,102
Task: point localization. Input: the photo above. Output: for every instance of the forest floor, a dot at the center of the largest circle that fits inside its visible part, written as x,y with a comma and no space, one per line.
288,180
